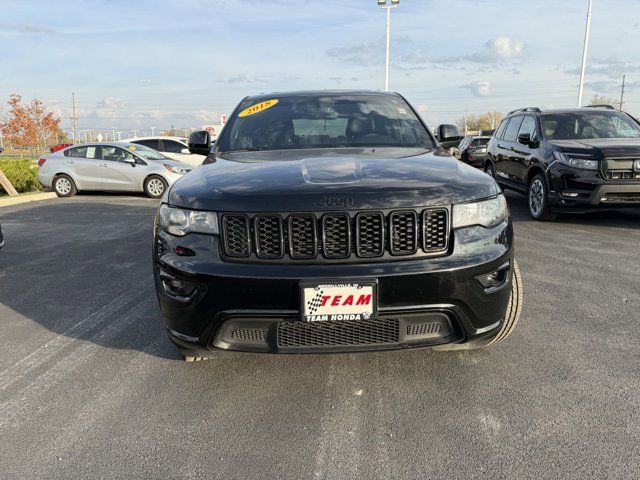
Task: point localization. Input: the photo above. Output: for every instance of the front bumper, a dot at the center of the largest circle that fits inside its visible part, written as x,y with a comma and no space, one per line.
256,307
580,189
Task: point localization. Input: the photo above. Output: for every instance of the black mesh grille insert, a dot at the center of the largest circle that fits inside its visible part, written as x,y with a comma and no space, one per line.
336,233
236,235
319,334
363,236
269,236
404,233
370,234
250,334
423,328
435,230
302,236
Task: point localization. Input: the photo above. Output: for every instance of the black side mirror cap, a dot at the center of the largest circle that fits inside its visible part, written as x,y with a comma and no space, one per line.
199,142
449,136
524,138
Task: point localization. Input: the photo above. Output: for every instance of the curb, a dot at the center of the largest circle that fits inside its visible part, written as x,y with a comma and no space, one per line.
33,197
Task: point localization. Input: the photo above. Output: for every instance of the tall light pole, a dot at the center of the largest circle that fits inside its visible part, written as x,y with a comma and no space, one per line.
587,29
388,7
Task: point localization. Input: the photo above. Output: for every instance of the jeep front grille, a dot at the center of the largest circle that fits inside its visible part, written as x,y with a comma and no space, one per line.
335,236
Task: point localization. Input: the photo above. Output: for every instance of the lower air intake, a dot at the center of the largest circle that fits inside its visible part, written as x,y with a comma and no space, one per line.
332,334
423,328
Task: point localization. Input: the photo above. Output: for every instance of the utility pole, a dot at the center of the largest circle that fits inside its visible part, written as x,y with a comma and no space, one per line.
388,7
585,47
153,134
622,91
135,133
74,118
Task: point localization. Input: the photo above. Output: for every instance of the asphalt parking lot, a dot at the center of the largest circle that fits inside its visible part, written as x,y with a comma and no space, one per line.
91,388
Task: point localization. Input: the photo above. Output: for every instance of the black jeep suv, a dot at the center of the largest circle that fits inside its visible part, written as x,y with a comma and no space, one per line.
577,160
333,221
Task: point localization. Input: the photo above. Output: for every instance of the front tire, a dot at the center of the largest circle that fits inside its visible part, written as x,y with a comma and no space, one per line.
64,186
155,186
538,200
490,170
509,321
514,307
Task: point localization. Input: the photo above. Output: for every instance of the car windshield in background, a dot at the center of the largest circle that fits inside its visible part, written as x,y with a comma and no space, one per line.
588,125
148,153
325,122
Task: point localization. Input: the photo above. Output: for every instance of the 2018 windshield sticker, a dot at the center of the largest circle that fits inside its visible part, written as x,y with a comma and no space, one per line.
132,148
258,107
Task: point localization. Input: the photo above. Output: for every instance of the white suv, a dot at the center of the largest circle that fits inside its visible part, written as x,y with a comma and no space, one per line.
173,147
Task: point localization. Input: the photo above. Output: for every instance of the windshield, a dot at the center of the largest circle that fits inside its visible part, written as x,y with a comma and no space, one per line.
147,153
589,124
325,122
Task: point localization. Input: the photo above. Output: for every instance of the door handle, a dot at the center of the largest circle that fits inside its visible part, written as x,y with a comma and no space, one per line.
69,162
103,165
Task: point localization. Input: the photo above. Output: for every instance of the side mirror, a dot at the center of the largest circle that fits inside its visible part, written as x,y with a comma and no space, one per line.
185,150
524,138
130,160
200,142
449,135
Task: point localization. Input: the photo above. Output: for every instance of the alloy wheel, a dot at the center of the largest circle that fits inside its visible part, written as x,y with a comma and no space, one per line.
63,186
536,197
155,187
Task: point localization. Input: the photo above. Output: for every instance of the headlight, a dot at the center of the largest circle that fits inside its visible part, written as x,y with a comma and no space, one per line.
177,221
487,213
583,163
178,170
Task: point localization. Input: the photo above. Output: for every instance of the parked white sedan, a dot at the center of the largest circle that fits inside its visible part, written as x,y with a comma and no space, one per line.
173,147
109,166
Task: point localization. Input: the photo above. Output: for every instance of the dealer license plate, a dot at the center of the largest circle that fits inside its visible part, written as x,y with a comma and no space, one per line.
326,302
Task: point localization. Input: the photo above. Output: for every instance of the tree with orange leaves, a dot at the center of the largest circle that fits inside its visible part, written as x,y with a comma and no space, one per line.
30,126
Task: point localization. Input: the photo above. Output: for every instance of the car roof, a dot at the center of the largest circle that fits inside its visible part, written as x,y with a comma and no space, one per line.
562,110
96,144
157,137
317,93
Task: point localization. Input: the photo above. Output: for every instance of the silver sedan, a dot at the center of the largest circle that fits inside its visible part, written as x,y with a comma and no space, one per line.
109,166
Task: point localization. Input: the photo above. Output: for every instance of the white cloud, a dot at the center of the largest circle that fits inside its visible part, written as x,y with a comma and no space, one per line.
505,48
480,88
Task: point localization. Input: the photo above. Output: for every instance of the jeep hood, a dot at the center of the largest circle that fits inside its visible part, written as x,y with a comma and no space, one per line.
330,179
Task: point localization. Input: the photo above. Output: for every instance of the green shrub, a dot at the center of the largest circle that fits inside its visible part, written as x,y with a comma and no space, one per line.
22,174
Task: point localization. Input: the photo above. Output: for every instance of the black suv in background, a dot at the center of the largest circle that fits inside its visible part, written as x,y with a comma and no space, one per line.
333,221
572,159
473,150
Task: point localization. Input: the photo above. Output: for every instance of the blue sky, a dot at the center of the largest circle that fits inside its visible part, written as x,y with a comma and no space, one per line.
137,64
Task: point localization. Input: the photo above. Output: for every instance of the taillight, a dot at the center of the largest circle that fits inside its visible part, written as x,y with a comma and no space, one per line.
41,161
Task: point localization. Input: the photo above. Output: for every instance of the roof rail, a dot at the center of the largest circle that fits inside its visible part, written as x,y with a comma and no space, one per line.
608,107
525,109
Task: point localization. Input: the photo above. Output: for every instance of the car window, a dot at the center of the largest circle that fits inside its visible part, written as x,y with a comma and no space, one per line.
589,124
478,142
464,143
500,131
155,144
511,133
115,154
89,151
172,146
528,126
324,121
